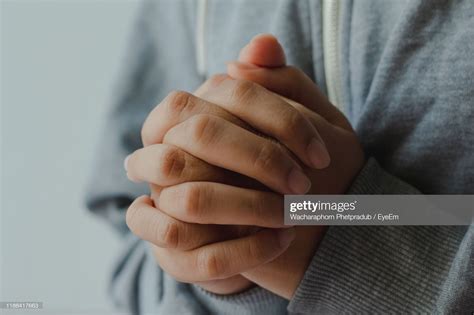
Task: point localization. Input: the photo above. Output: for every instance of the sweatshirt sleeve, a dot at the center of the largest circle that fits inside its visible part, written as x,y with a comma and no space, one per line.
380,269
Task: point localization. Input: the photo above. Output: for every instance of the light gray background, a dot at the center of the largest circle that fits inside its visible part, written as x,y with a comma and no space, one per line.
59,60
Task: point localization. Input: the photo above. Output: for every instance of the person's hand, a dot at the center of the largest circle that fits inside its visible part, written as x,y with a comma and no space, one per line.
164,165
305,233
263,61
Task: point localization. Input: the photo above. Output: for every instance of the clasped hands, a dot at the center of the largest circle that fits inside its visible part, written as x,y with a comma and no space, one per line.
218,162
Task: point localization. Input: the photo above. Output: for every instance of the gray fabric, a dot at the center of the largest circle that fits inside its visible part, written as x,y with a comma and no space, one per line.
254,301
408,81
376,269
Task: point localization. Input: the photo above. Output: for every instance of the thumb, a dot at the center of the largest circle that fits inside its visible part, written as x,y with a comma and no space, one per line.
263,50
262,61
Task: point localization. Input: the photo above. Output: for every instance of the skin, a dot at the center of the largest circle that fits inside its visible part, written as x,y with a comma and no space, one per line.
217,220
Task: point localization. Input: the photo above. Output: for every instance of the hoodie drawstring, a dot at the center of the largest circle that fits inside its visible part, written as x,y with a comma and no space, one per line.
201,37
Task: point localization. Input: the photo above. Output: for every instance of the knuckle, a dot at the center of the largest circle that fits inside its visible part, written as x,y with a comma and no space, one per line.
171,163
210,266
177,101
291,124
193,200
167,233
256,250
265,157
243,90
204,129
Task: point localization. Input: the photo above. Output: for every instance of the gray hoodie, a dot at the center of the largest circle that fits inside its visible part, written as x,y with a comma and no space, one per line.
402,71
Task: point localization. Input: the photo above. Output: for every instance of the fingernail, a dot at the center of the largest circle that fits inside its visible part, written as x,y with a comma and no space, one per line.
125,166
244,65
125,163
298,182
285,237
318,154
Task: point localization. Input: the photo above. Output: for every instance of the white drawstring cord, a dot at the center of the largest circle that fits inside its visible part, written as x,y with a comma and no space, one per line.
331,48
201,37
